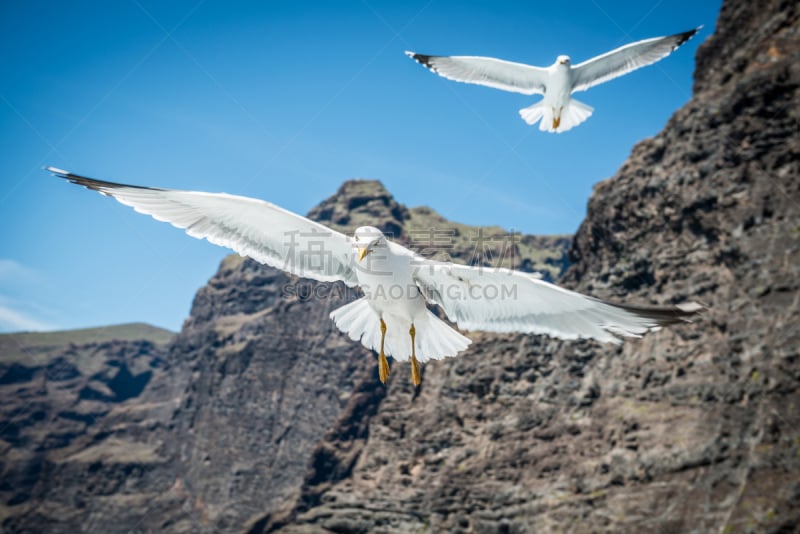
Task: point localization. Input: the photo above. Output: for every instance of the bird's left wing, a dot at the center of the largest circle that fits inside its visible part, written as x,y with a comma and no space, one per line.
625,59
491,72
267,233
502,300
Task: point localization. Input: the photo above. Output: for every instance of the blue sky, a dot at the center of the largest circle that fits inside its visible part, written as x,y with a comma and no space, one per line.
284,101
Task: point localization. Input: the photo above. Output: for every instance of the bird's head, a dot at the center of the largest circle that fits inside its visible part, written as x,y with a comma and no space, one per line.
563,60
367,238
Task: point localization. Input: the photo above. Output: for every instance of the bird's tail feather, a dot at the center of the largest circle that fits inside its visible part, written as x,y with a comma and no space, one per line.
573,114
557,120
360,322
532,114
437,339
434,338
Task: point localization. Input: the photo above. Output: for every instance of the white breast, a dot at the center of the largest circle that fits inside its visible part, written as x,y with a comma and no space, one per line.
386,277
559,85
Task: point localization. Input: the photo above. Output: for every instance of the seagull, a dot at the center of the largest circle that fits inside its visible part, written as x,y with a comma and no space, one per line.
558,111
393,317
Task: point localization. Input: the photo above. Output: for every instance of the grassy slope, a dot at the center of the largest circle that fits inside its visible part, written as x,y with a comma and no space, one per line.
23,346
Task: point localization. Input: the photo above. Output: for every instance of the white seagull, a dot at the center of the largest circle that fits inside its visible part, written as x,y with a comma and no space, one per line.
392,317
558,111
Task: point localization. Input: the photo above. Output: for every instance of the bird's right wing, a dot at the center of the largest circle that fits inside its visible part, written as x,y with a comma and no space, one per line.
497,73
625,59
267,233
502,300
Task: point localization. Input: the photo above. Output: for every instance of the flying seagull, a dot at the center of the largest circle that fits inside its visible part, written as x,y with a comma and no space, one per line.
392,317
558,111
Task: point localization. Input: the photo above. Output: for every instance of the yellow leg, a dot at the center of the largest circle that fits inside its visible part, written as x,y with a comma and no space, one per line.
383,364
416,379
557,120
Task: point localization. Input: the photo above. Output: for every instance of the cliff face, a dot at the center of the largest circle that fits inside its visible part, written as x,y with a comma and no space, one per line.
694,428
79,420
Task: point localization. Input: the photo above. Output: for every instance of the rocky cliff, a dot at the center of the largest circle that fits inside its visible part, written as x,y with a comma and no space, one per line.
77,420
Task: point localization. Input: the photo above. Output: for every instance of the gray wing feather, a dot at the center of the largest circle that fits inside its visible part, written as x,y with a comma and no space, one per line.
502,300
267,233
487,71
625,59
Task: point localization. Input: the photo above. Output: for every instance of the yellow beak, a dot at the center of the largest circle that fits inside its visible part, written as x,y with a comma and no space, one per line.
362,252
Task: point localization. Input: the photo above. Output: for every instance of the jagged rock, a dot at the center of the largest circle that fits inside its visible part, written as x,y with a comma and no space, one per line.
362,203
77,426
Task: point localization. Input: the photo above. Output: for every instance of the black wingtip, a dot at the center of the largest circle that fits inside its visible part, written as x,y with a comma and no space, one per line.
665,316
60,173
422,59
685,36
77,179
74,178
90,183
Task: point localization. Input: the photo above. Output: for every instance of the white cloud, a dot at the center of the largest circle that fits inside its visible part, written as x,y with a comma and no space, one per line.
14,321
18,308
14,271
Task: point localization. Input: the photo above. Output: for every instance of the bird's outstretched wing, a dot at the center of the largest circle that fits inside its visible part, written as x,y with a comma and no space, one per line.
625,59
497,73
502,300
265,232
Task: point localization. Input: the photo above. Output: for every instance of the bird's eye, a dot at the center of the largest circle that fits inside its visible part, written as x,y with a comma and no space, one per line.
356,237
